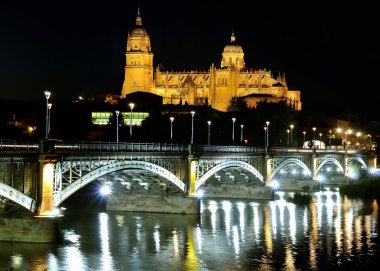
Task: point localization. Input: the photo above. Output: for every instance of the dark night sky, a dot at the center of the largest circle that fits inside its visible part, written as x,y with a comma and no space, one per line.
329,52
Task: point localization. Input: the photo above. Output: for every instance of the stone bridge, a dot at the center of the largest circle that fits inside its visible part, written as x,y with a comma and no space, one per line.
148,177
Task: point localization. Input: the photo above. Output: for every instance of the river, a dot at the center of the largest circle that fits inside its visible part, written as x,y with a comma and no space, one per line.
331,233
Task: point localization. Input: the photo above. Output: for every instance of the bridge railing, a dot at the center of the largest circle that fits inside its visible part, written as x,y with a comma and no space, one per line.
119,147
227,149
13,146
277,150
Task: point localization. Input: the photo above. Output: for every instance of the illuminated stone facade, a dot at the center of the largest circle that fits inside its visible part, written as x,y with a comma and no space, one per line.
214,87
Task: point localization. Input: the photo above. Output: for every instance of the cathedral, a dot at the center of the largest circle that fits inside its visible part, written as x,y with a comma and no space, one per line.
214,87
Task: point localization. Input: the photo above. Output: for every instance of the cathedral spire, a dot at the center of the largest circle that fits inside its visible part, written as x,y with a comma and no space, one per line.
138,17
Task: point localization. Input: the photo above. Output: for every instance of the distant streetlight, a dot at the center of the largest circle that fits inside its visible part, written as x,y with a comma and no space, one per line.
208,132
314,132
241,133
304,137
291,134
320,138
287,138
117,112
50,105
192,126
267,123
131,106
233,130
171,129
47,96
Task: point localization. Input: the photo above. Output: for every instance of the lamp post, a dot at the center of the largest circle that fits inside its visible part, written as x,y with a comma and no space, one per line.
338,131
287,138
50,105
208,132
131,106
233,130
291,134
241,133
192,126
314,132
265,136
267,123
117,112
304,137
47,96
171,129
358,134
320,140
330,138
348,133
370,142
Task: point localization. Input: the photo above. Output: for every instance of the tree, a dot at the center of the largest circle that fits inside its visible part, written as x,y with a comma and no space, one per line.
236,104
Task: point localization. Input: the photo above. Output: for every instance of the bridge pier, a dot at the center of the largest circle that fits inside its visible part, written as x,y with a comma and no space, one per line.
267,170
345,164
192,175
45,204
372,161
314,163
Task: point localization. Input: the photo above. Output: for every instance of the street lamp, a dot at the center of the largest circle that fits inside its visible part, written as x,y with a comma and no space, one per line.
50,105
291,134
314,132
267,123
304,137
370,142
241,133
192,126
208,133
358,134
287,138
171,129
320,140
117,112
338,131
265,136
233,130
131,106
330,138
47,96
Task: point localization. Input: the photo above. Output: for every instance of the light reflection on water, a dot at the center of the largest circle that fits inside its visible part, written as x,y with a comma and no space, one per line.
333,232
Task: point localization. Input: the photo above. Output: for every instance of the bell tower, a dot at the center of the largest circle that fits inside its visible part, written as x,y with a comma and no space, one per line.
139,60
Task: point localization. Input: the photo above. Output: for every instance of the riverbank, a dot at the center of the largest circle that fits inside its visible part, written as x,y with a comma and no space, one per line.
367,188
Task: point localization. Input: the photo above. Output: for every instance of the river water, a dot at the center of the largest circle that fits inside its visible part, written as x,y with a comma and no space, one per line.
331,233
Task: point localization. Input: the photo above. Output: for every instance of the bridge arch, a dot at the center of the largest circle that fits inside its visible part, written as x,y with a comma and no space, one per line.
358,159
290,161
329,160
228,164
18,197
59,197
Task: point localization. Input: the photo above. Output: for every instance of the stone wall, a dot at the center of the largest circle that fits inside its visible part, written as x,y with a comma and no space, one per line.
238,192
31,229
155,204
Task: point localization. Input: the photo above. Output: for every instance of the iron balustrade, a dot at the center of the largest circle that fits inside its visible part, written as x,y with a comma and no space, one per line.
12,146
100,146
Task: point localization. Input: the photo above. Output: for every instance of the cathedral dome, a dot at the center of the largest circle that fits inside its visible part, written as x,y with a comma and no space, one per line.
139,31
233,47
